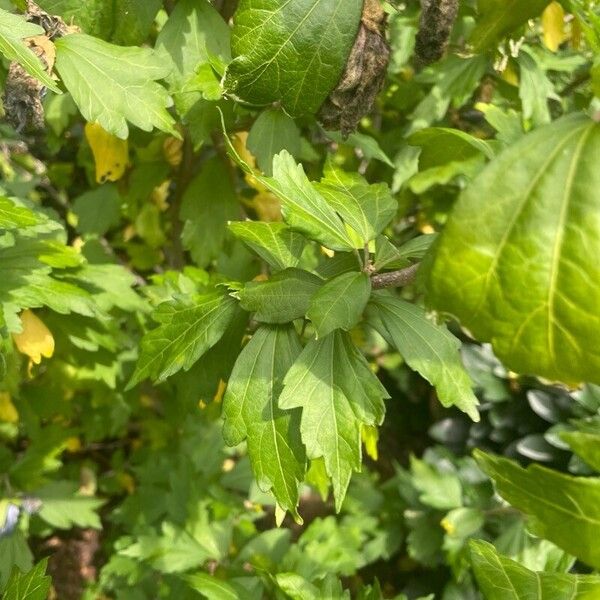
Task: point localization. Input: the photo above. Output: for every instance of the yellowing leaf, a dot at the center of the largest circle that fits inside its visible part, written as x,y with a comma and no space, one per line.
267,207
8,412
370,437
553,25
111,153
35,340
173,151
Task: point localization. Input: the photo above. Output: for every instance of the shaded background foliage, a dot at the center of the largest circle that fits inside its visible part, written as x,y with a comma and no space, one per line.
131,491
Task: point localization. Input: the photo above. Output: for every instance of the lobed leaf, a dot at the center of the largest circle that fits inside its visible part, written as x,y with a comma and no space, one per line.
186,331
338,393
275,243
281,299
114,84
250,411
339,303
428,348
367,208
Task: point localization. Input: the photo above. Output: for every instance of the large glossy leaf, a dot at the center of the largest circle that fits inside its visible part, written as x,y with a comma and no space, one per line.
112,84
518,260
292,52
562,508
187,330
275,243
338,393
340,303
366,208
13,29
250,411
281,299
501,578
428,348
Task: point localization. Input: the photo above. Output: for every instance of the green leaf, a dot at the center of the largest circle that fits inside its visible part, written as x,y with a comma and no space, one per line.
338,393
437,489
271,133
292,52
194,32
125,22
112,84
250,411
275,243
501,578
187,330
440,145
98,210
209,202
211,587
33,585
281,299
13,28
95,17
340,303
304,209
13,216
500,17
586,445
368,209
174,550
367,145
63,508
517,261
561,508
133,20
428,348
456,79
535,89
14,552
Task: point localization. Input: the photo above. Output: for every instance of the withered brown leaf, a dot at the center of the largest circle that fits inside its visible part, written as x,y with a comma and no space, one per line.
363,78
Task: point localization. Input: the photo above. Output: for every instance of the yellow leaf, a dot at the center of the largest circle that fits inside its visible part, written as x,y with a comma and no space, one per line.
448,526
73,444
267,207
111,153
370,437
220,391
239,143
35,340
510,75
160,195
173,151
8,412
553,25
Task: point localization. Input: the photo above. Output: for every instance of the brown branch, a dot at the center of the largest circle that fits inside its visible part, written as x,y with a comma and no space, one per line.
395,278
175,252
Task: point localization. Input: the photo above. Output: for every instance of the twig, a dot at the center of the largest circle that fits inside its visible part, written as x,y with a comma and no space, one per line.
395,278
176,255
